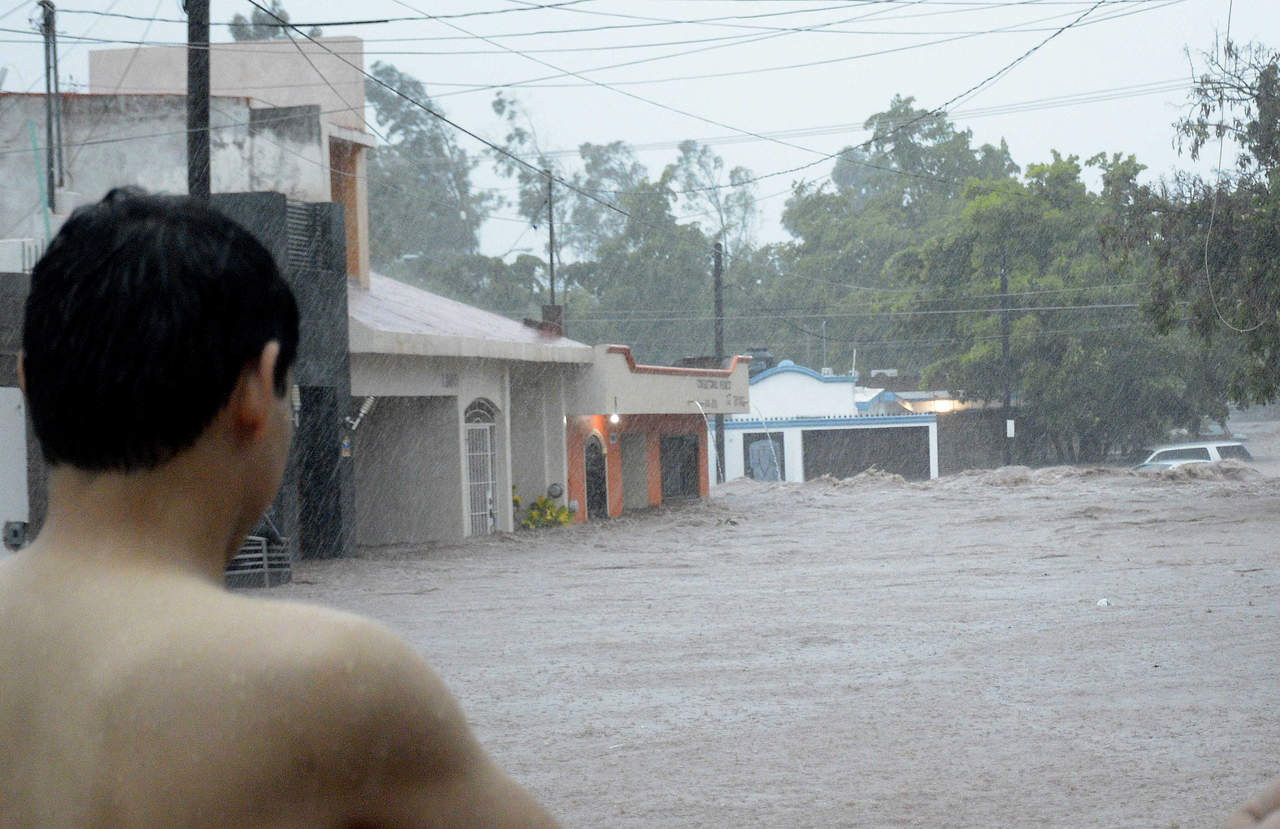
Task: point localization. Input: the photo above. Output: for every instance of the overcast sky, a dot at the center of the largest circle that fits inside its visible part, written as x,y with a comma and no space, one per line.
1113,80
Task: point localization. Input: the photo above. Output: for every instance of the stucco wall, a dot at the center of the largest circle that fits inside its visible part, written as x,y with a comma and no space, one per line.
619,464
789,394
538,443
274,72
142,142
153,157
406,457
611,384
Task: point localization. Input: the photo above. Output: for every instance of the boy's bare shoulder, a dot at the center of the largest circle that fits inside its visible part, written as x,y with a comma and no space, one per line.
346,666
380,724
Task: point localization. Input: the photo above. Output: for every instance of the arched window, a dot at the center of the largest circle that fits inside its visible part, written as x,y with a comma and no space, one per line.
480,411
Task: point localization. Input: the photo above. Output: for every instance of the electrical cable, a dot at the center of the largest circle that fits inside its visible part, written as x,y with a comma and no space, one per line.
333,23
1213,211
496,148
824,157
542,81
698,317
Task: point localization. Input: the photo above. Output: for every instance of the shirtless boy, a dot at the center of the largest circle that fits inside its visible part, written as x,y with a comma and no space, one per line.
135,690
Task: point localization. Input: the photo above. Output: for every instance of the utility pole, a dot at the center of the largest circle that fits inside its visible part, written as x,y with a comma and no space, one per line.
551,234
198,183
48,28
717,268
1007,454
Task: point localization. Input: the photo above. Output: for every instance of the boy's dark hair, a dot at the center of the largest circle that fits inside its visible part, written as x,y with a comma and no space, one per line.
142,316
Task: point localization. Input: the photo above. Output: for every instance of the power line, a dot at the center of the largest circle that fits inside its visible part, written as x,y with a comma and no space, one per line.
454,124
937,312
870,343
971,90
542,81
335,23
960,298
939,110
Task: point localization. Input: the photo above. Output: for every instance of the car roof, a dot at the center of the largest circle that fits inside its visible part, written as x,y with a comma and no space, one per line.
1200,444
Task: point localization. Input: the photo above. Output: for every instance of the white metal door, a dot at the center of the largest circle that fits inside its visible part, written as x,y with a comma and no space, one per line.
482,486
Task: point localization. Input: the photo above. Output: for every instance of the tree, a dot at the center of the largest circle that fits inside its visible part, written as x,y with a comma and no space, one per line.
423,211
725,200
1217,242
889,195
1090,375
266,25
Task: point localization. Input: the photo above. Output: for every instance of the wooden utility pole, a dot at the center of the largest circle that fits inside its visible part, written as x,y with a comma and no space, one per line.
551,234
717,268
48,29
1007,454
198,178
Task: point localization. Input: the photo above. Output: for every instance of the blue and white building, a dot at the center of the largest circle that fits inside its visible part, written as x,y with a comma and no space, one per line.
804,424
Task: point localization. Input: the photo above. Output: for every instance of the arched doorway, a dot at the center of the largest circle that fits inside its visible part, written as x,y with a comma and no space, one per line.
482,477
597,479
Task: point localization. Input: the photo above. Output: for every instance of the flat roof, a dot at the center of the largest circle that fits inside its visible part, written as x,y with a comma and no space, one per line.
391,317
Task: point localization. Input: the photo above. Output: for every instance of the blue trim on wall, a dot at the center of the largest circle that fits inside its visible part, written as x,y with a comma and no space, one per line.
807,372
777,424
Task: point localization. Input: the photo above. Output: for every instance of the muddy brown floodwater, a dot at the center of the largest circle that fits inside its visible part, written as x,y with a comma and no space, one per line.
869,652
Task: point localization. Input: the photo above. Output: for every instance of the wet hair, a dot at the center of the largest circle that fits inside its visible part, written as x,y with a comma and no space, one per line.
142,316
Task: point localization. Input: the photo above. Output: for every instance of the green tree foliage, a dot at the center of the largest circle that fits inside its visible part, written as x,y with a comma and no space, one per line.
888,195
260,25
904,256
424,213
1091,376
723,201
1218,243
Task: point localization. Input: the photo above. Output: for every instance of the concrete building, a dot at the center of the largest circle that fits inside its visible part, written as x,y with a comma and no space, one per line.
419,417
638,433
465,408
804,424
466,405
275,125
274,74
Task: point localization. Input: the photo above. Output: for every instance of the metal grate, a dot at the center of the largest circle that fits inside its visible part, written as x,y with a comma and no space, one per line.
481,483
302,233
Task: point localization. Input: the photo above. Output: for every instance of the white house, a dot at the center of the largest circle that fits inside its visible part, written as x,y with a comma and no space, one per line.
804,424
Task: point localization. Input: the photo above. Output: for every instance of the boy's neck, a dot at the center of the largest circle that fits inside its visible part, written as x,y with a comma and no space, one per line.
187,514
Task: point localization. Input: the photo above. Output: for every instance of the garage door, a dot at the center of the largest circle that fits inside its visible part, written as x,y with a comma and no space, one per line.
843,453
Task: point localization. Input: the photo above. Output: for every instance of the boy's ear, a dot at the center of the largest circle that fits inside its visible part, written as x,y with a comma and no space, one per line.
254,395
22,372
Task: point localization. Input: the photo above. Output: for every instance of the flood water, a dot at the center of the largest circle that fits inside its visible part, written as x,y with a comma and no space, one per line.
870,652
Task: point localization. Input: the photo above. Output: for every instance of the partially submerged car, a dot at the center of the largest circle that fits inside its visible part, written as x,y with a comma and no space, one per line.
1179,454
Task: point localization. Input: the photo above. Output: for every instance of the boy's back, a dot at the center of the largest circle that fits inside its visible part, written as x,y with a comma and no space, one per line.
136,697
135,691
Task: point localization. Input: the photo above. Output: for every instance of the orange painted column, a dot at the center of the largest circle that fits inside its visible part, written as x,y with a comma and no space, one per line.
576,484
613,472
653,455
704,481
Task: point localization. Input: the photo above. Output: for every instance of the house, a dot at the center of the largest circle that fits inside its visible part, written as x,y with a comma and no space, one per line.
638,433
418,417
462,407
458,409
321,77
804,423
275,125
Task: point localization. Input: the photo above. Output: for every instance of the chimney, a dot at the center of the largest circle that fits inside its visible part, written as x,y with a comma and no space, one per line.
552,323
553,319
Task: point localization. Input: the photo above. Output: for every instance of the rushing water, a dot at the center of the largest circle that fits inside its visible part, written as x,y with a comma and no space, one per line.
871,652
